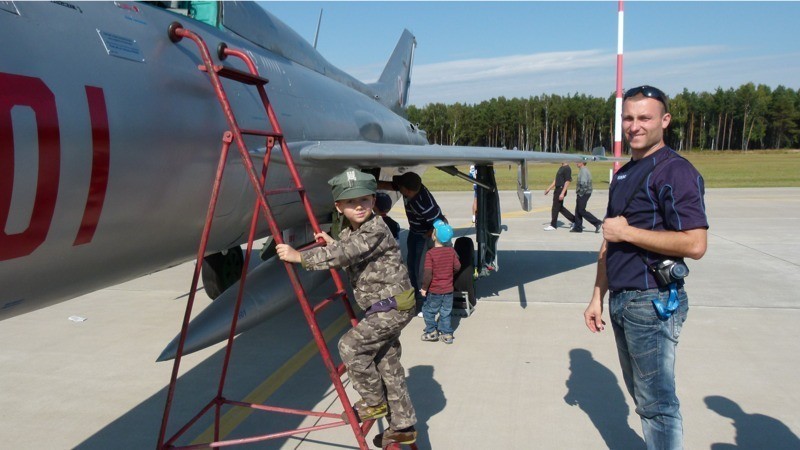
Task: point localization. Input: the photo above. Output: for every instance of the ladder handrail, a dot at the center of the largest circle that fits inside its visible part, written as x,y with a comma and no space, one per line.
224,50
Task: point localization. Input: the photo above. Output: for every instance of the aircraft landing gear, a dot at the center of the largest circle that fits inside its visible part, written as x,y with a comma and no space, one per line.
221,270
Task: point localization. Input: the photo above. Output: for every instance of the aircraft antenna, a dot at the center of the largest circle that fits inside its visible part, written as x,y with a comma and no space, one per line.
319,22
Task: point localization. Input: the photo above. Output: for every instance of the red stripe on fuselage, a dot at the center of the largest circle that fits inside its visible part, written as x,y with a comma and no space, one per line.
101,156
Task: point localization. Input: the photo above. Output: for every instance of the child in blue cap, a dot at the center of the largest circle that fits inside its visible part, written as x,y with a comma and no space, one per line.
441,264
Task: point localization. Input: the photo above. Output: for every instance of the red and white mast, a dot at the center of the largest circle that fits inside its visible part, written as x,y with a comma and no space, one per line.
618,108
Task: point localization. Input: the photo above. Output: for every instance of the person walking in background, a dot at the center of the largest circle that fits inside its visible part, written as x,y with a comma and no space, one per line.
441,264
559,187
656,216
583,191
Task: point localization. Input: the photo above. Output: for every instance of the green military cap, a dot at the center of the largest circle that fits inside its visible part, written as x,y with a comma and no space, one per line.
352,183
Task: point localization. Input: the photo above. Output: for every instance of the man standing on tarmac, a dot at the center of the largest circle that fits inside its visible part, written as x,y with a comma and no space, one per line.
559,187
655,218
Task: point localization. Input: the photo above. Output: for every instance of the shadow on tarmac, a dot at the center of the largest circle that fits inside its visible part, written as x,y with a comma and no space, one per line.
428,398
752,430
517,268
594,389
256,354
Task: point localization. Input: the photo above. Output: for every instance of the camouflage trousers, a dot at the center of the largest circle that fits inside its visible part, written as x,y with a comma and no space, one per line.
371,351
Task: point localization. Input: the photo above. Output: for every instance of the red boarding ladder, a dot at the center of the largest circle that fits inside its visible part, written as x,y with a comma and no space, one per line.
235,134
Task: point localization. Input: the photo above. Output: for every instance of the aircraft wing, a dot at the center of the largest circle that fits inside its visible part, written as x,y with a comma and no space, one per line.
371,154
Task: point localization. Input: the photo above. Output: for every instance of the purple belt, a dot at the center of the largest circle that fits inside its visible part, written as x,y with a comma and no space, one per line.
384,305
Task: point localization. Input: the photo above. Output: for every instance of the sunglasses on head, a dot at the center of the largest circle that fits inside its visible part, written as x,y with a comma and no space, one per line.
649,92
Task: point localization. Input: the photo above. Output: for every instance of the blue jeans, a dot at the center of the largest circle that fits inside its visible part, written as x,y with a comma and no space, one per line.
415,243
443,304
646,348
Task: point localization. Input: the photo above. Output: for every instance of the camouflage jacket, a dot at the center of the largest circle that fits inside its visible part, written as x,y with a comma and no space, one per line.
371,258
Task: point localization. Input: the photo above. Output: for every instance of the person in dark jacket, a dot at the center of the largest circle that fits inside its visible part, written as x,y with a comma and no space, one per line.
559,187
583,192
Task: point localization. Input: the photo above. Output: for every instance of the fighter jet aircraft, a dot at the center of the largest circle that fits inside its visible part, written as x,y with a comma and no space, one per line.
110,135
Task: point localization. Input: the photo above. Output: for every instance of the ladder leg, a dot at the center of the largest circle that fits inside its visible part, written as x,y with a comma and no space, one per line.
226,143
243,280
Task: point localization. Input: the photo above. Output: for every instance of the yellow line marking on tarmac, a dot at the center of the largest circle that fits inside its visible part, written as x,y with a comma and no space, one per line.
260,394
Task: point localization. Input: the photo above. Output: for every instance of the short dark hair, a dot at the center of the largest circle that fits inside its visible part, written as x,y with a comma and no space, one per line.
383,202
649,92
408,180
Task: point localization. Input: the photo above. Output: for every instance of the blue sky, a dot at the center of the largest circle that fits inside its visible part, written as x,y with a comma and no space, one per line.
473,51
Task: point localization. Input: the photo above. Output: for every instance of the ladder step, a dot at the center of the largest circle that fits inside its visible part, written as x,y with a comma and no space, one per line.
282,191
327,301
261,133
237,75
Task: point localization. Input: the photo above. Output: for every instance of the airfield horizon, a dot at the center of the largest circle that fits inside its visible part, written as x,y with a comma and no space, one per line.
720,169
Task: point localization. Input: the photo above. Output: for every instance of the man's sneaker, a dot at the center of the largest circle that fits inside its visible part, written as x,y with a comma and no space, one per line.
433,336
549,228
419,314
576,230
446,338
392,436
366,412
597,228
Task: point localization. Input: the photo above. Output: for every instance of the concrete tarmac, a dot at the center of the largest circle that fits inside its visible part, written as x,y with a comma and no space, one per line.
524,372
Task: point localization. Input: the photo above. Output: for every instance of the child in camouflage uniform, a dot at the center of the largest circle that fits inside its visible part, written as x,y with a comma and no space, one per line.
371,350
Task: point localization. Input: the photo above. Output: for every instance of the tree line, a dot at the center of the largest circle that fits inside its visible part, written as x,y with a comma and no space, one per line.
750,117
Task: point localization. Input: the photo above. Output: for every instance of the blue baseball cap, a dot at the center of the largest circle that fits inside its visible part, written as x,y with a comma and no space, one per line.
444,232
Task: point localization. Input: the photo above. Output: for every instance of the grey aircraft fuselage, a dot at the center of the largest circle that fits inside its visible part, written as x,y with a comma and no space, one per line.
110,137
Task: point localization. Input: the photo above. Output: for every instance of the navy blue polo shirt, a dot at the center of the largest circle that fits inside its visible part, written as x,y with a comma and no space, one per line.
421,211
671,198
